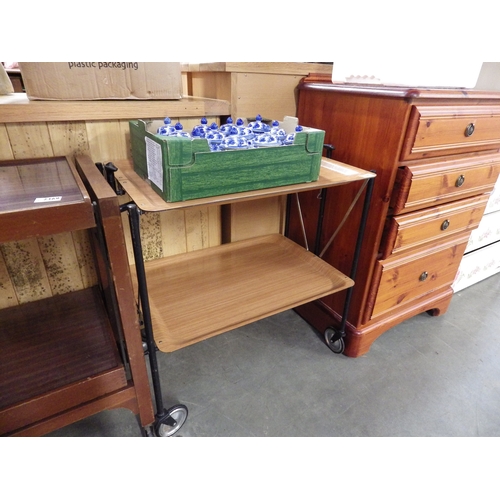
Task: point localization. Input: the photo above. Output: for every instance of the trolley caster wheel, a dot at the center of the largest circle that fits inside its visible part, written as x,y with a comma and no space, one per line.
334,341
169,424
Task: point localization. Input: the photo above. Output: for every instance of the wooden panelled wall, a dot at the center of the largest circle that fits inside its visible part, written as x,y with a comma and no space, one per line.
39,268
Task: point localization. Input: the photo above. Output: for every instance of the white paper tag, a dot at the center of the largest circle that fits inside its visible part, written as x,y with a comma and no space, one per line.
335,167
338,168
48,199
154,162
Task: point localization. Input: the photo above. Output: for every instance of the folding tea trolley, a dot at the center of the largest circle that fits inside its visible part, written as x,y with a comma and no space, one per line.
190,297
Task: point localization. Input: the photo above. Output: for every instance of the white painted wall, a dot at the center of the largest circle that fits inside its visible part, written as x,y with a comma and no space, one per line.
411,73
489,76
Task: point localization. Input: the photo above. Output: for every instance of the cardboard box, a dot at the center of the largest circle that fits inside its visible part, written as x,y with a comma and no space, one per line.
180,168
6,86
477,266
102,80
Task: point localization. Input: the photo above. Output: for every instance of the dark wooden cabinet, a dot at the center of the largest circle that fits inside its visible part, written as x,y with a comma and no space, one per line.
436,154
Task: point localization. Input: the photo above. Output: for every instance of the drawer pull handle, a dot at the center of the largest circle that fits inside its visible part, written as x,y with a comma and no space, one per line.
460,181
445,225
423,276
469,130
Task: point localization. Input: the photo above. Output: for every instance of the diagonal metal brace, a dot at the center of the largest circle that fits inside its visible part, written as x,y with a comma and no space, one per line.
349,210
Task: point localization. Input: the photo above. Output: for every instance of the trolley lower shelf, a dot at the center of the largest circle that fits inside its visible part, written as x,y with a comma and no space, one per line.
55,354
203,293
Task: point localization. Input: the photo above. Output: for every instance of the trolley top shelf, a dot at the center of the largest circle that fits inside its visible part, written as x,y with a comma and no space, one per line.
42,196
332,173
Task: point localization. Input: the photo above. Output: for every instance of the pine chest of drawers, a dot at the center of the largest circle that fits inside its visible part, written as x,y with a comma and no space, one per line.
436,153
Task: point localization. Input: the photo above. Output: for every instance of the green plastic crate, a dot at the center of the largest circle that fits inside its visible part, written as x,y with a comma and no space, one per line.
179,168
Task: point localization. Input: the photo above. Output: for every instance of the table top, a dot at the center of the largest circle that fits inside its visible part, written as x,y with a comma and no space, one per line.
27,185
332,173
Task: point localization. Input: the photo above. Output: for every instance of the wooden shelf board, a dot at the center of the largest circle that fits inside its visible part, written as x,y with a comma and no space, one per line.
274,68
332,173
51,343
199,294
17,108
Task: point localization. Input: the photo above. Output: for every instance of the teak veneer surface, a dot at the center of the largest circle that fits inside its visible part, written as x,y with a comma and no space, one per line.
207,292
332,173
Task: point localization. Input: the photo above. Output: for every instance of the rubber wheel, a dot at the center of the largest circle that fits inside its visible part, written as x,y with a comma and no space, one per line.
170,423
337,346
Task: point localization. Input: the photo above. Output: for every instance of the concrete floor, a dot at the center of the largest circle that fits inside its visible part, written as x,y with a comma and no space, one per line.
429,376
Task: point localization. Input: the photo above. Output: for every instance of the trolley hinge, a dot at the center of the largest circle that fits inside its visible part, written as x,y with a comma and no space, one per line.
108,171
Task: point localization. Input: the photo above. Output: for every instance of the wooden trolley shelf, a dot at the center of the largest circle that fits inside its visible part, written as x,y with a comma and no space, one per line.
332,173
206,292
52,346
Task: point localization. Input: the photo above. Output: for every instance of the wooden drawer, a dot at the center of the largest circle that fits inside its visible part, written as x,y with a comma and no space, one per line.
402,279
423,185
408,231
437,130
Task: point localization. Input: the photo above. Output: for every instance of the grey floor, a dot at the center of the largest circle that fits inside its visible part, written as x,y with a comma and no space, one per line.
429,376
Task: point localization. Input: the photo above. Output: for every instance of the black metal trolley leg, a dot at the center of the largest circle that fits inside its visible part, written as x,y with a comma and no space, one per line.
167,422
334,337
